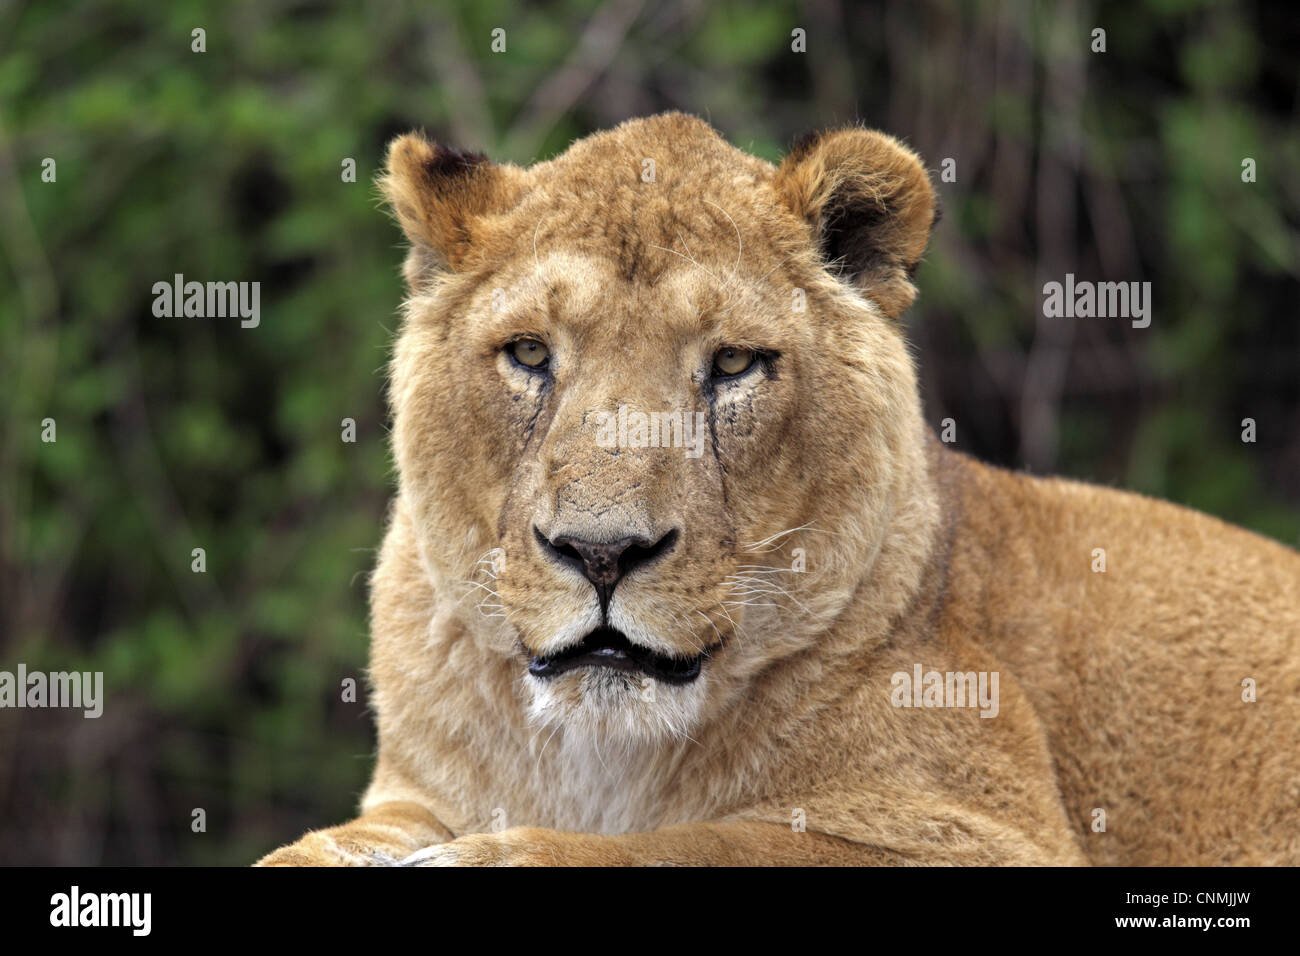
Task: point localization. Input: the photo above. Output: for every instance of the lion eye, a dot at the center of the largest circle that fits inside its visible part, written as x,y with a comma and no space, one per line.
529,352
732,361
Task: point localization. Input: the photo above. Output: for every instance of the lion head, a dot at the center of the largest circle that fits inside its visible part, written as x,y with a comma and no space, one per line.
653,407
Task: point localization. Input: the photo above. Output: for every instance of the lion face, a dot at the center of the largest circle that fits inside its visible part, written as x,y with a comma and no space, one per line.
638,423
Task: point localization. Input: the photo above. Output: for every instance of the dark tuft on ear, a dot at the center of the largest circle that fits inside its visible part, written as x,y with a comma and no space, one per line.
803,145
443,198
869,205
447,162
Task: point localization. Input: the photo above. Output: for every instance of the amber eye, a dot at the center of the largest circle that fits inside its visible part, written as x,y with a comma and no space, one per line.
529,352
732,361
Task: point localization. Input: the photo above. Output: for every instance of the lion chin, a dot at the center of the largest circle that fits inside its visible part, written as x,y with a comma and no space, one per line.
613,708
615,691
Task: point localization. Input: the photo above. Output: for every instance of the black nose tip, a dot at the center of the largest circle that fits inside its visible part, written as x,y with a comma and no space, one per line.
605,563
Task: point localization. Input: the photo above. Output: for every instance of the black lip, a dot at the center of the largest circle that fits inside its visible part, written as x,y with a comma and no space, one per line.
607,647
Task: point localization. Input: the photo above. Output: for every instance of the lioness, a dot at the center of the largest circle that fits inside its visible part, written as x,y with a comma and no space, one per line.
677,573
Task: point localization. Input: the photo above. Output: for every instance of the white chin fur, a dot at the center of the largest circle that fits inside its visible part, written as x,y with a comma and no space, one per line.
615,708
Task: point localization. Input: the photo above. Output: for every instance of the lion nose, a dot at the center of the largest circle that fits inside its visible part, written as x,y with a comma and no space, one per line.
604,564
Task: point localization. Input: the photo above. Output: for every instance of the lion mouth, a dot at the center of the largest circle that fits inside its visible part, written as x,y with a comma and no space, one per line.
607,647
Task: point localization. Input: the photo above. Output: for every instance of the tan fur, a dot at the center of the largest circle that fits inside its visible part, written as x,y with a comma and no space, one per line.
1119,691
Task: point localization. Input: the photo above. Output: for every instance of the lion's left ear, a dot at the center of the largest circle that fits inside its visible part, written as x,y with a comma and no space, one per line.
870,206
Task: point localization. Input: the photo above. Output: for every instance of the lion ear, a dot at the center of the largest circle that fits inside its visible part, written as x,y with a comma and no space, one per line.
443,199
870,207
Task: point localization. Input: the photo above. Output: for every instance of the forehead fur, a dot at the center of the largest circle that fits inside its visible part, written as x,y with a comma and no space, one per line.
640,193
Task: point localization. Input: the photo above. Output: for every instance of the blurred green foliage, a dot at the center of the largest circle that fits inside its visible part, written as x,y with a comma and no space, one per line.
173,434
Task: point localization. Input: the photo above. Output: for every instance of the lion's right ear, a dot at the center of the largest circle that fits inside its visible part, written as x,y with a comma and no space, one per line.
443,199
